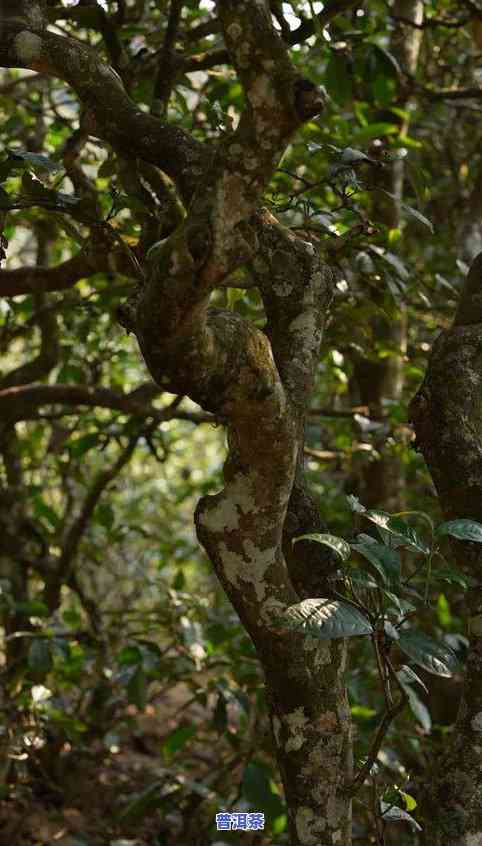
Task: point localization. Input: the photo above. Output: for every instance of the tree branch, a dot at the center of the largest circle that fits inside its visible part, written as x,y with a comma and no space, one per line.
109,113
54,581
22,402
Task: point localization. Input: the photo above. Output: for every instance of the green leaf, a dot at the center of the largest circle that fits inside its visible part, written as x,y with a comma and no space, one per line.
258,790
129,656
355,504
374,130
390,630
411,211
388,61
340,546
104,515
452,576
419,709
462,529
35,160
137,689
39,656
406,535
436,658
45,512
418,216
391,813
142,802
107,168
326,619
410,802
443,611
385,560
32,608
406,676
338,79
80,446
177,739
390,258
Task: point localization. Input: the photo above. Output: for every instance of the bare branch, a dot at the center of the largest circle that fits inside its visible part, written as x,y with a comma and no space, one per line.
22,402
168,63
54,581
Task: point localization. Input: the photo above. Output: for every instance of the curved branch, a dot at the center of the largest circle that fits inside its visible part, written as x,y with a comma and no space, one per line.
28,280
109,113
22,402
453,93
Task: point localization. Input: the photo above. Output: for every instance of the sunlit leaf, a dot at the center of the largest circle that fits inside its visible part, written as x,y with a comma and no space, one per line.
391,813
326,619
462,529
340,546
436,658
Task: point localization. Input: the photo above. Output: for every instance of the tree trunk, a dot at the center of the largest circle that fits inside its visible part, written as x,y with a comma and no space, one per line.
447,415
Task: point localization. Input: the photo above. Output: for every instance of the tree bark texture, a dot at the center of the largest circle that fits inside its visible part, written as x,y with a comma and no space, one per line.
447,414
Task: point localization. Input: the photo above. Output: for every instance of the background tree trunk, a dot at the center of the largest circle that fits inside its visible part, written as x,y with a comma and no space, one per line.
447,416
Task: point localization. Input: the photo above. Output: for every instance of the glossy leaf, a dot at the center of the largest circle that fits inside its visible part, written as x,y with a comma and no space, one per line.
435,657
409,676
340,546
326,619
406,535
391,813
462,529
385,560
35,160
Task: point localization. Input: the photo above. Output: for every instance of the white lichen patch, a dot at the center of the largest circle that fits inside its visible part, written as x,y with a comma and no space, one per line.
322,655
250,163
258,562
236,151
27,46
476,625
306,326
262,93
474,839
277,730
234,31
283,288
476,723
243,55
239,500
334,811
308,826
324,757
296,723
250,567
35,17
